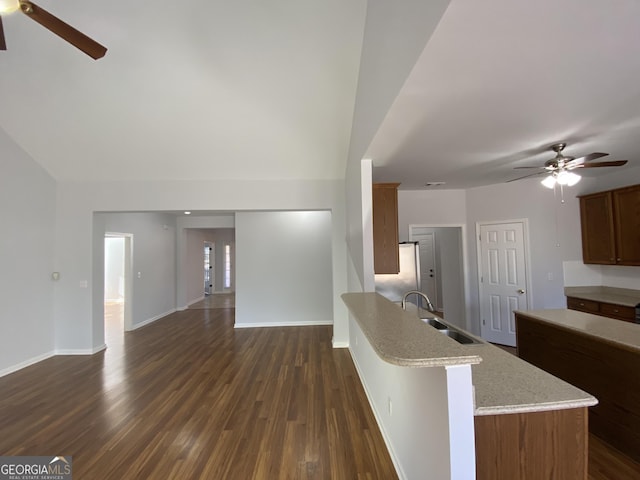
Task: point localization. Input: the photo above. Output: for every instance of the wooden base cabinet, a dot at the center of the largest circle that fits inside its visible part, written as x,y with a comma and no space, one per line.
607,370
533,446
619,312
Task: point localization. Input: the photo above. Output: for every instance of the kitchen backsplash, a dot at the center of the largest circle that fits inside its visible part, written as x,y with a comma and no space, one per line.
577,274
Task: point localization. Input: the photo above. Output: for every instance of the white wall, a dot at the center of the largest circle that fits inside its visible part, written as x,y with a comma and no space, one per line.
154,263
79,325
395,35
283,268
430,207
27,213
359,197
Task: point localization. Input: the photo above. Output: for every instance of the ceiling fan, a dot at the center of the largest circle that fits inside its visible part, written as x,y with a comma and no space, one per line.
52,23
559,169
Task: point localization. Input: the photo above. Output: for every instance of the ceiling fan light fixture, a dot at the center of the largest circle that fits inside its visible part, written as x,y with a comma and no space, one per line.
9,6
567,178
549,181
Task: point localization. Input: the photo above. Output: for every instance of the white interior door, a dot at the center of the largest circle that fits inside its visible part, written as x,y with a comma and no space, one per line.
503,279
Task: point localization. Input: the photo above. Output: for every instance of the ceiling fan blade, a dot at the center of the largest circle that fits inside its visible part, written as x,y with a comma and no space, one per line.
587,158
526,176
3,43
63,30
613,163
527,167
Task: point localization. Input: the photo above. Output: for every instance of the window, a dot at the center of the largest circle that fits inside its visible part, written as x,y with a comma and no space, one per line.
227,266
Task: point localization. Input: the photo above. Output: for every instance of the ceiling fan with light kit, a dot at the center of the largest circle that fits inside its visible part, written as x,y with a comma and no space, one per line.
560,169
52,23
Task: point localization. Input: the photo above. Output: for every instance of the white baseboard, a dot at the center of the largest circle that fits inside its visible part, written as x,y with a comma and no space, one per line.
283,324
199,299
81,351
152,319
191,302
44,356
26,363
340,344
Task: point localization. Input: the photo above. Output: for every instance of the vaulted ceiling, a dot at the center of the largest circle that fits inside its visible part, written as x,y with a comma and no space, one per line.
266,90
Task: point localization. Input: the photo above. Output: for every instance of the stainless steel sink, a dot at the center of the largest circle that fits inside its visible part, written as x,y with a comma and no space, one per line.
459,337
434,322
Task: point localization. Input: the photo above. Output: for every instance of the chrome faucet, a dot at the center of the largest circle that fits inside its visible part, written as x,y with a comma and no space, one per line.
416,292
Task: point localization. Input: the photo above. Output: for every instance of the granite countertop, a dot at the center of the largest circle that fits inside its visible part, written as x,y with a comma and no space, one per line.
616,296
401,338
623,334
506,384
502,382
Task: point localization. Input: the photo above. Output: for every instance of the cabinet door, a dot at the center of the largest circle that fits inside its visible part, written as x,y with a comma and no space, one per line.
596,216
385,228
626,207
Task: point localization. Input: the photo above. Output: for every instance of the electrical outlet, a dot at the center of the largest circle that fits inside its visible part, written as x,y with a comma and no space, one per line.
550,276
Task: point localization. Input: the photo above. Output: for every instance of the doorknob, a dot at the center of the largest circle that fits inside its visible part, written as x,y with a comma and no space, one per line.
520,290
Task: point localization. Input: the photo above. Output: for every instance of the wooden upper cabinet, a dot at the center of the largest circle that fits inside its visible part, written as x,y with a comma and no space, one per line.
596,218
385,228
626,208
611,226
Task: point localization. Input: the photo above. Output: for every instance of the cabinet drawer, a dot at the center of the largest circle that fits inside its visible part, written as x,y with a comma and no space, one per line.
618,311
588,306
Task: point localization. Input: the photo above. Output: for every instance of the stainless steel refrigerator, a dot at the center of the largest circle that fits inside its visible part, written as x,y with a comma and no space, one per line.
394,286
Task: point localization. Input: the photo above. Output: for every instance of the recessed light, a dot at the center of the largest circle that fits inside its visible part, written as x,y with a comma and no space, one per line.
434,184
187,213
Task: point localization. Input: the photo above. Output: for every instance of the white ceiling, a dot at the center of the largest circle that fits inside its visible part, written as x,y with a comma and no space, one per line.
266,89
502,80
187,90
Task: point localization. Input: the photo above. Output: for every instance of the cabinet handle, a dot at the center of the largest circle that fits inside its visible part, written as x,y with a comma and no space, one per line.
582,304
615,310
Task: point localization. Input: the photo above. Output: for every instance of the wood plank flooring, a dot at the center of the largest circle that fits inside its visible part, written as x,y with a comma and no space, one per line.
189,397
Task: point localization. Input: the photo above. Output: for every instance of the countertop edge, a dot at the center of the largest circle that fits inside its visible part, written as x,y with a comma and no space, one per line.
539,407
543,316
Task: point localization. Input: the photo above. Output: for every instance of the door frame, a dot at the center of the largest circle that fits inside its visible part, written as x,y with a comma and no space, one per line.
465,264
527,262
128,277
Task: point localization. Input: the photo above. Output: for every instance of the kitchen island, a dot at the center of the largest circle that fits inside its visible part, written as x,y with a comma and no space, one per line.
526,422
598,354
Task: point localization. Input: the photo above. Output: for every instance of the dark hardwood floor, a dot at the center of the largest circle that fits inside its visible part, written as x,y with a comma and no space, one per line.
189,397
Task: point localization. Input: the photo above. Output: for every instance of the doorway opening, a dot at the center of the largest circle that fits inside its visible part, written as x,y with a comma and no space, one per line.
442,276
117,285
